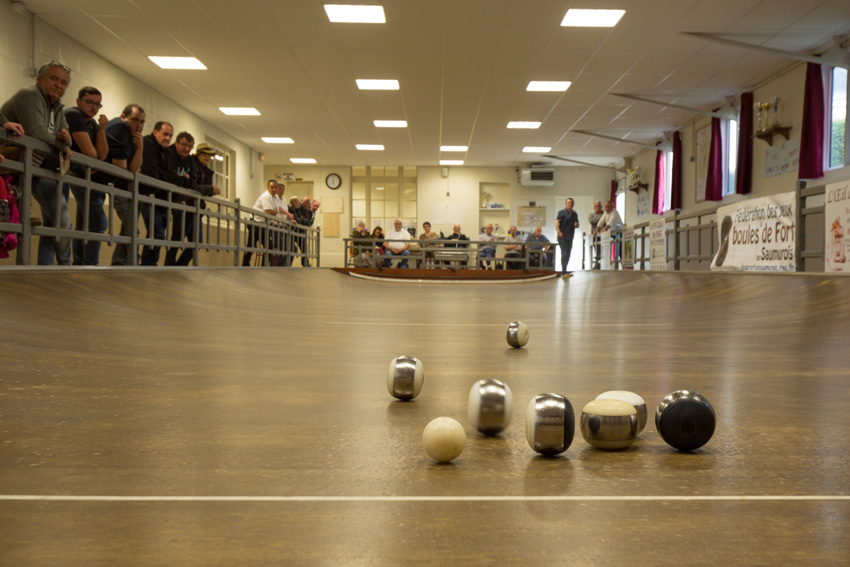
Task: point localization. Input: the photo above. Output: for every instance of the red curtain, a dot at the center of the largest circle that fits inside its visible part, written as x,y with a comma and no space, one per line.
676,173
812,136
714,178
660,183
613,197
744,168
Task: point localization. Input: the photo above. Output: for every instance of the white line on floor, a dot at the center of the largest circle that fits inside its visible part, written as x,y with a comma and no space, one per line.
716,498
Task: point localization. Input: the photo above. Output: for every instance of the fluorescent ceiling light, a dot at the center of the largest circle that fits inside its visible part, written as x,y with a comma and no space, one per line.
592,18
239,111
548,86
454,148
526,125
391,123
377,84
177,62
340,13
536,149
451,162
272,140
370,147
302,160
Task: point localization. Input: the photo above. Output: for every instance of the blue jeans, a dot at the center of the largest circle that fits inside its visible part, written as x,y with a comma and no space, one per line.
566,246
150,254
88,253
45,195
388,258
178,233
486,253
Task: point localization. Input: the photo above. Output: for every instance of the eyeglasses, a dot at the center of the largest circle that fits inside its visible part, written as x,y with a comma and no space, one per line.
91,103
185,145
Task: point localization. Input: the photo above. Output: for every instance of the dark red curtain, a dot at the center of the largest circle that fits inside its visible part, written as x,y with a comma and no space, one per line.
658,188
676,173
613,197
812,136
744,168
714,177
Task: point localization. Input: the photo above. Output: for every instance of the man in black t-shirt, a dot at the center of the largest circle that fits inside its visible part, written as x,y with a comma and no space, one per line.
88,137
155,164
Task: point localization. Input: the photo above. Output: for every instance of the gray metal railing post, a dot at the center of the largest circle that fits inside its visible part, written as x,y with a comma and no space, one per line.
676,240
238,232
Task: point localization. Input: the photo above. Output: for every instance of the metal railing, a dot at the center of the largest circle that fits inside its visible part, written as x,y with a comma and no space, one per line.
225,226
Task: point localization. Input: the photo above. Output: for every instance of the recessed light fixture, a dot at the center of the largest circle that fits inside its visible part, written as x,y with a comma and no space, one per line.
239,111
592,18
272,140
341,13
548,86
525,125
177,62
536,149
454,148
377,84
302,160
451,162
390,123
370,147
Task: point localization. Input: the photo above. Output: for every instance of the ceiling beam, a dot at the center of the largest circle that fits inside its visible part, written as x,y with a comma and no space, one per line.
723,114
645,145
608,167
836,55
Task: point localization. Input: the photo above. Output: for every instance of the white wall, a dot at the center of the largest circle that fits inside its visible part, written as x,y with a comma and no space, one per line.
118,87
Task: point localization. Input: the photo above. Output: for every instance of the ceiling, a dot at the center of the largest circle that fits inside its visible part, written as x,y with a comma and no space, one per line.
462,65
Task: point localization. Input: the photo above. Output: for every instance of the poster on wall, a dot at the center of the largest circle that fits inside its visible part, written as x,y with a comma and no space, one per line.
836,213
531,217
658,244
644,203
628,256
782,158
606,243
758,235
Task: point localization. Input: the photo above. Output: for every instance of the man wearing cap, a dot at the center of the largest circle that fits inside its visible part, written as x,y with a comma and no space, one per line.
202,182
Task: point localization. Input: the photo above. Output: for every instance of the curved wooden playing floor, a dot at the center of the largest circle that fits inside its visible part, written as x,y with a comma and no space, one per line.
240,417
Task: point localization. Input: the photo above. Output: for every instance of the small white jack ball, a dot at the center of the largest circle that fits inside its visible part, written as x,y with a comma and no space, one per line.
405,377
444,439
517,334
490,406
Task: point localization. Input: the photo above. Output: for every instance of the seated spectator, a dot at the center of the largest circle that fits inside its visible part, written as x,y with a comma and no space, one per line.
457,235
398,248
536,248
428,247
487,250
361,247
88,137
513,250
155,164
37,109
377,236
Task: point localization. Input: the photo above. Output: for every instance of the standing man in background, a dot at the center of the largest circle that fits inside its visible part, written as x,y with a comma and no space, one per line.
593,219
566,224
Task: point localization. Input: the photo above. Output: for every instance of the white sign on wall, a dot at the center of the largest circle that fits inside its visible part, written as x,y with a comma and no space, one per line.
837,230
658,244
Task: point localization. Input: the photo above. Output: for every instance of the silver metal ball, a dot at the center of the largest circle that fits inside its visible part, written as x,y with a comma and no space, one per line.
405,377
685,420
549,424
637,401
609,424
490,406
517,334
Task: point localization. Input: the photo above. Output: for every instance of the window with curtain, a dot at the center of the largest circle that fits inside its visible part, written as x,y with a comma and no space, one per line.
837,139
730,156
668,181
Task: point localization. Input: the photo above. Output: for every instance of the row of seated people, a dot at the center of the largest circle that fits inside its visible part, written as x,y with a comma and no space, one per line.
449,250
37,111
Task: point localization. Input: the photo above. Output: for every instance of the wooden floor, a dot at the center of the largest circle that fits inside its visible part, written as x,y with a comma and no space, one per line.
240,417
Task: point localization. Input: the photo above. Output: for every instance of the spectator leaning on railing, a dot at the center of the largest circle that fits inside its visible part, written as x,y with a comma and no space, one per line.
155,164
38,110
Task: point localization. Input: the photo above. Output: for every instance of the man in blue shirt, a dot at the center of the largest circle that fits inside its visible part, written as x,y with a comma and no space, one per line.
566,224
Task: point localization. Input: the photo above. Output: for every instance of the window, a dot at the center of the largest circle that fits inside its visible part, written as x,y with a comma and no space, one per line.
838,118
224,173
379,195
668,181
730,156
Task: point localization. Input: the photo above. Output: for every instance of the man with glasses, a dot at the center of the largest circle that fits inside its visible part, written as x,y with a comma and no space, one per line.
155,164
38,109
88,137
124,138
181,172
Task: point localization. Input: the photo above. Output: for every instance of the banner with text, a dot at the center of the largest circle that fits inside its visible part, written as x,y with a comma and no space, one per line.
658,244
758,235
836,215
628,255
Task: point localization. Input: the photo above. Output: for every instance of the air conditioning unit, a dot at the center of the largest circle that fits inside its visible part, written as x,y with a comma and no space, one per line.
537,176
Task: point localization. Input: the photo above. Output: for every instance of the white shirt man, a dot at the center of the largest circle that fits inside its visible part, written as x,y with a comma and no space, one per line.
397,248
610,219
487,250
